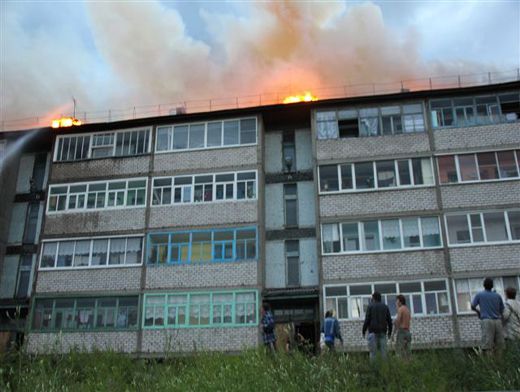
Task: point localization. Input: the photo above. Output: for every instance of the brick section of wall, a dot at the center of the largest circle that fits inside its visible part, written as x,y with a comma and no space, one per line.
484,258
393,265
474,137
378,202
100,168
208,160
481,195
235,274
344,149
94,222
89,280
469,328
199,339
436,331
203,214
47,343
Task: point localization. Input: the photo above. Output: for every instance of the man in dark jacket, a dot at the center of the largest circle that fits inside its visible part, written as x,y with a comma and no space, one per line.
379,325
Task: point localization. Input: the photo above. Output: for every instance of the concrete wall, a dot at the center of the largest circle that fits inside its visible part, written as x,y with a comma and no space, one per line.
469,329
205,160
119,279
303,142
455,139
199,339
344,149
274,212
401,265
47,343
232,274
481,194
306,204
309,271
273,152
378,202
17,224
25,172
65,224
8,276
104,168
203,214
486,258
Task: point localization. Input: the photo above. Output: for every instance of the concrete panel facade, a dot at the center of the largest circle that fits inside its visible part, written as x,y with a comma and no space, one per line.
17,223
204,214
25,172
199,339
236,275
497,135
344,149
309,271
486,258
275,264
104,168
274,214
399,265
205,160
306,204
378,202
94,222
481,194
46,343
89,280
304,157
273,152
8,276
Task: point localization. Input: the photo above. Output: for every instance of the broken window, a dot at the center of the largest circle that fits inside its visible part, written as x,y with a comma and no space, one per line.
510,106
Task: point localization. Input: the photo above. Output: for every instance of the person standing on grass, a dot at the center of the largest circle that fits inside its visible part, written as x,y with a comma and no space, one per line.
267,324
403,344
379,325
331,330
489,307
511,316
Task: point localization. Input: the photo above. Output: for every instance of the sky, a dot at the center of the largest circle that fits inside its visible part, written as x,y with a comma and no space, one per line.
121,54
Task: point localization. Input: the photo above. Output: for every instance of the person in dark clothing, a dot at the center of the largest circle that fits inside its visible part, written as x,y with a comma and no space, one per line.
268,325
331,330
379,325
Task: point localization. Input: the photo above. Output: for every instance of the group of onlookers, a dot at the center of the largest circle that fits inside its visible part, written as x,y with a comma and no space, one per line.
499,322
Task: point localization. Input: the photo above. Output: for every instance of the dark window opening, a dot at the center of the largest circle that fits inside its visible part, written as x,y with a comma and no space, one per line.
348,128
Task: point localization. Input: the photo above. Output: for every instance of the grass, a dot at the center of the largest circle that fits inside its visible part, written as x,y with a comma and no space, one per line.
439,370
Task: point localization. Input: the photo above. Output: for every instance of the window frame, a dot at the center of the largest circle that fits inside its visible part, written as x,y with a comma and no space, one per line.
88,184
90,265
211,323
91,136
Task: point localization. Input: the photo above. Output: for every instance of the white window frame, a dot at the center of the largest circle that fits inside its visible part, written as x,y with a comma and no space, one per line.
376,187
361,234
467,214
397,283
206,147
516,155
214,184
91,239
91,136
105,207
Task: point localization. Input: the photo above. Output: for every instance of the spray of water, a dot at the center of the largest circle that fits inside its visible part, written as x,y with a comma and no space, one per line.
12,149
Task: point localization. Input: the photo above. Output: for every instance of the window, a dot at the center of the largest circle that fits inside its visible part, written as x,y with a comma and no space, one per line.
482,166
292,255
93,252
23,285
360,176
377,235
291,205
132,142
202,246
204,188
428,297
72,148
469,111
31,223
466,289
483,227
288,152
206,135
366,122
207,309
102,145
97,195
69,314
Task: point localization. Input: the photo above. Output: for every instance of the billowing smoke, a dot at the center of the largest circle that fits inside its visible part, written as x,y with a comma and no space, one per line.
149,58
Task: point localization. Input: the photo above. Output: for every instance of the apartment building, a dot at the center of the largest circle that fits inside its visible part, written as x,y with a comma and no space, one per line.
165,234
24,164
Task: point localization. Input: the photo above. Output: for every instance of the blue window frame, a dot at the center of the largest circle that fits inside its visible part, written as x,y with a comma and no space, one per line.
202,246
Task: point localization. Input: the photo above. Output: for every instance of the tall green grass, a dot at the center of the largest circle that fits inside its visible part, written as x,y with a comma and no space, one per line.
439,370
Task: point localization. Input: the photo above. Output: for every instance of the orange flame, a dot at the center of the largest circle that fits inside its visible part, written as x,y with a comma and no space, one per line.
306,97
65,122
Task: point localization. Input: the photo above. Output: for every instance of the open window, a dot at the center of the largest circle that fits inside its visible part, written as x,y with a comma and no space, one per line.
510,106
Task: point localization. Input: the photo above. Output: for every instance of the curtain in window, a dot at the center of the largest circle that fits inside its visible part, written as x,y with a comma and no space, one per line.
330,232
327,125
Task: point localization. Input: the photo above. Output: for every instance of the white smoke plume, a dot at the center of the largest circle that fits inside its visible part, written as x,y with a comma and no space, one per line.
277,47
